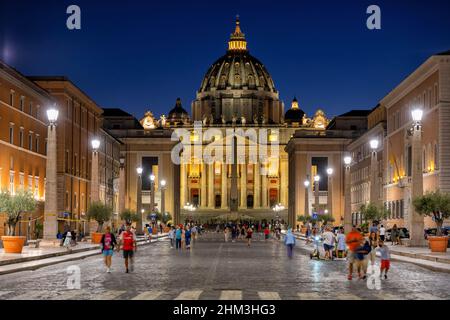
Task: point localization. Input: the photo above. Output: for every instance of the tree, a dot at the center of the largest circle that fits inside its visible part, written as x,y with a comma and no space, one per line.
14,206
99,212
436,205
326,218
372,212
130,216
302,219
38,228
166,217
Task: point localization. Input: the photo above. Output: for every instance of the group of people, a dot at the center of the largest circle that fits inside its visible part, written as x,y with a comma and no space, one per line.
69,238
126,241
180,236
361,250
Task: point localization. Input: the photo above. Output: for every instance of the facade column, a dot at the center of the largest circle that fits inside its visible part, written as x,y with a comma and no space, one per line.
95,192
203,197
373,178
211,193
122,186
139,203
348,200
243,202
183,184
284,171
330,194
234,197
306,183
316,195
257,186
224,183
264,190
50,210
414,220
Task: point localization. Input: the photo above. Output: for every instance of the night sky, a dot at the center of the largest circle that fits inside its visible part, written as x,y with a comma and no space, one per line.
140,55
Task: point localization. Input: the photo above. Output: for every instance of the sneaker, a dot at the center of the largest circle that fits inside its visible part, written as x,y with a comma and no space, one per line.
108,270
385,276
349,277
126,271
365,277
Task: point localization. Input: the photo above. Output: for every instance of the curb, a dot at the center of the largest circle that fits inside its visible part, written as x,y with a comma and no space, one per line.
75,256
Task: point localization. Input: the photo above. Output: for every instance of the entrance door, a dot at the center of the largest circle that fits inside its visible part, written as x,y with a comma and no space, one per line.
218,201
195,197
273,197
250,201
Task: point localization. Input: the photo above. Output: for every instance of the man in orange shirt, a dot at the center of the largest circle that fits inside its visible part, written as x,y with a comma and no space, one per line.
353,241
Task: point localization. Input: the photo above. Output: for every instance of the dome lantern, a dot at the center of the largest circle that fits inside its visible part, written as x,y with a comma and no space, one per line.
237,39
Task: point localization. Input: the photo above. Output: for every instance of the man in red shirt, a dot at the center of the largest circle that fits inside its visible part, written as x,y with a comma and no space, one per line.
127,241
353,240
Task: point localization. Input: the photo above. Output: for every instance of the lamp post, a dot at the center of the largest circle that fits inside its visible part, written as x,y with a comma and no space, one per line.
163,205
50,209
373,171
139,224
347,193
152,193
330,172
414,220
122,184
316,193
306,183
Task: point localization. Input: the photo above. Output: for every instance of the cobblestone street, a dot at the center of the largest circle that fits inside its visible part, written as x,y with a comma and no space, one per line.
217,270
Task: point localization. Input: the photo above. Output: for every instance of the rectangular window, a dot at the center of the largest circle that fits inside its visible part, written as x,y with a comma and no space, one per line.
22,103
36,187
37,143
11,182
21,138
67,161
11,98
30,141
30,183
11,135
21,180
30,108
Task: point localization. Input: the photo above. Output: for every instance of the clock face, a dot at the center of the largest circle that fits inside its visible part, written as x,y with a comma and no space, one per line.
148,123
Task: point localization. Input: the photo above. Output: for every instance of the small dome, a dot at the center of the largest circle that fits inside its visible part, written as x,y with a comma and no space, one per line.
294,114
178,114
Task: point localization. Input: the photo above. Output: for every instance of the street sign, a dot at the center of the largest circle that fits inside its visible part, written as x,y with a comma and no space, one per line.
315,216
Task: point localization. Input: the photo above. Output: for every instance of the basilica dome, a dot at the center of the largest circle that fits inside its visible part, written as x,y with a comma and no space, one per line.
294,114
237,86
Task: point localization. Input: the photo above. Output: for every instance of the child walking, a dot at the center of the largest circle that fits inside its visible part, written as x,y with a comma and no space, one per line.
385,259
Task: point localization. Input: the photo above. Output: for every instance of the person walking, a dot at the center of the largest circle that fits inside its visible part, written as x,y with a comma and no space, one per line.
382,233
385,259
394,235
328,243
187,238
373,242
353,241
226,233
108,243
361,259
178,234
171,236
127,242
341,246
266,233
249,236
289,240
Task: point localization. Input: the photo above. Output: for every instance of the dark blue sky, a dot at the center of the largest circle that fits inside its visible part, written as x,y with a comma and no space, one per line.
140,55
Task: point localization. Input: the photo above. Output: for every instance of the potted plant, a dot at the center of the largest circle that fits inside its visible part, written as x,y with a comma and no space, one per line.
166,217
326,219
130,216
101,213
14,206
303,220
436,205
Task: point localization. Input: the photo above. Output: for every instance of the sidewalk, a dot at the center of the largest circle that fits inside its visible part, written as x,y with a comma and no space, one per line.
49,254
420,256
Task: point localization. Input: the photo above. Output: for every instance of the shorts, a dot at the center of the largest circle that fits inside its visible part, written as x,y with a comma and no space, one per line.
351,256
128,254
107,253
385,264
382,238
327,247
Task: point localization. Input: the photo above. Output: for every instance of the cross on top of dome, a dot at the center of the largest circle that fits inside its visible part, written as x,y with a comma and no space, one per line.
237,39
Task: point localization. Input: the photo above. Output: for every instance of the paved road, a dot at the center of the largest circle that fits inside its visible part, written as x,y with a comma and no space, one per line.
217,270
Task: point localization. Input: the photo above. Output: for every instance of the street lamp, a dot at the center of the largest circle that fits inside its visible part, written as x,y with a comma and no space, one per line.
152,193
51,194
316,178
347,203
306,183
414,220
374,144
140,224
330,189
316,192
95,144
163,198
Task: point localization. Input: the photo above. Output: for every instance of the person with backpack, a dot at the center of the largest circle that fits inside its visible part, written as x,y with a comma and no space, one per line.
289,240
108,243
127,241
178,234
171,236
